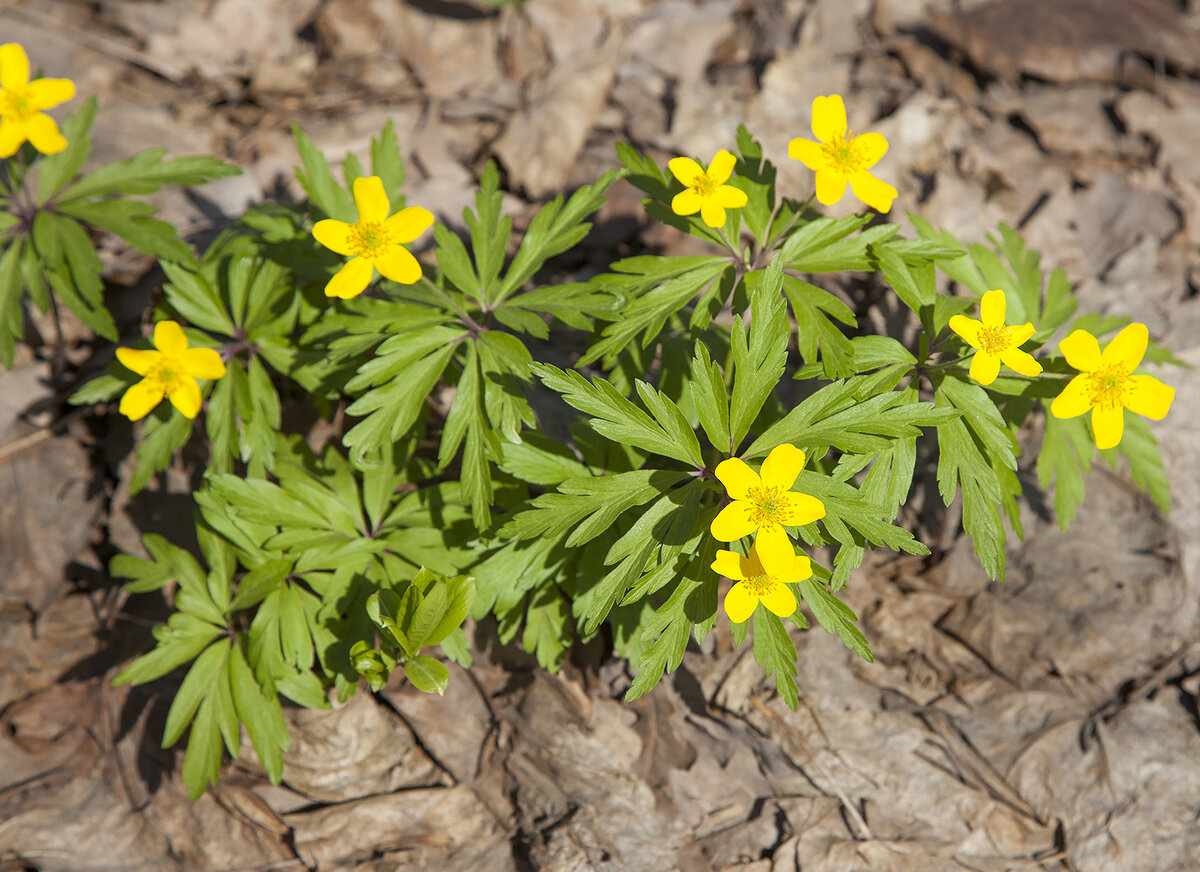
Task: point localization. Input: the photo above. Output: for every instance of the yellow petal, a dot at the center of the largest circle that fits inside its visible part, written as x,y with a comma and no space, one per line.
780,600
1150,397
12,136
733,522
1074,400
737,477
830,186
1108,425
169,339
1020,361
991,309
46,93
686,202
828,117
775,550
399,265
203,363
14,67
1081,350
44,134
740,603
967,328
141,398
729,197
803,509
870,147
985,367
721,167
729,564
752,564
801,570
782,466
184,394
370,199
1127,348
407,224
351,280
876,193
334,235
140,360
713,215
685,169
1018,336
807,152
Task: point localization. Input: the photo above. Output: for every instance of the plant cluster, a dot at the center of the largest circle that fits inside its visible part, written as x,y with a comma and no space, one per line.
565,460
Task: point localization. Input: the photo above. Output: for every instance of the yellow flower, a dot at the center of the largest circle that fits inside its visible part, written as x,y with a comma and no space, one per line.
22,102
765,504
842,157
994,342
374,239
755,584
169,371
706,191
1106,384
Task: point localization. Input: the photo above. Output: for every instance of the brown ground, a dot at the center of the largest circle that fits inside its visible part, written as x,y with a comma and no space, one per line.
1049,723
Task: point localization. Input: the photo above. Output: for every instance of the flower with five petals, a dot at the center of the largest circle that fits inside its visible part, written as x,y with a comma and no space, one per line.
170,369
1106,383
765,504
840,158
22,103
755,585
994,342
706,191
375,240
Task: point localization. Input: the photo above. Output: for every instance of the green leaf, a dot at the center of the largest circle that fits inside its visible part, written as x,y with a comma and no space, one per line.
1145,461
834,616
131,220
12,318
547,628
851,252
388,164
814,236
711,399
145,173
775,652
261,713
814,310
760,358
1065,457
56,170
427,674
318,182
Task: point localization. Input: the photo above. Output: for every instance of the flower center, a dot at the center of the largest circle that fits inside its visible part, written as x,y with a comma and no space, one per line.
768,506
759,585
17,103
843,155
1109,386
993,340
166,371
704,185
369,238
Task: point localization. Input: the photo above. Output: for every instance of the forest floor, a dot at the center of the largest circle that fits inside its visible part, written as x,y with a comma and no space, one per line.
1049,723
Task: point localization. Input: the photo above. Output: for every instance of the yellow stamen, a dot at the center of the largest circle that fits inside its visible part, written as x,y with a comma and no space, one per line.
993,340
768,506
1109,387
704,185
369,238
843,155
759,585
17,103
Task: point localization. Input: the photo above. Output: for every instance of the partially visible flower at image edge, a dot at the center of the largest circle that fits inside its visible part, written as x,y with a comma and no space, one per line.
1106,384
375,241
755,585
840,158
765,504
994,341
706,191
170,369
22,103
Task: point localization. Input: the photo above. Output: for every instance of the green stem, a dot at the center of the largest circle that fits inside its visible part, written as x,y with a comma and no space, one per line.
462,313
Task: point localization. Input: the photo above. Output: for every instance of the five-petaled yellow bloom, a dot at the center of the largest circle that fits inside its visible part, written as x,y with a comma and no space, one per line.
1106,383
22,102
169,371
755,584
375,240
994,342
840,157
706,191
766,504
